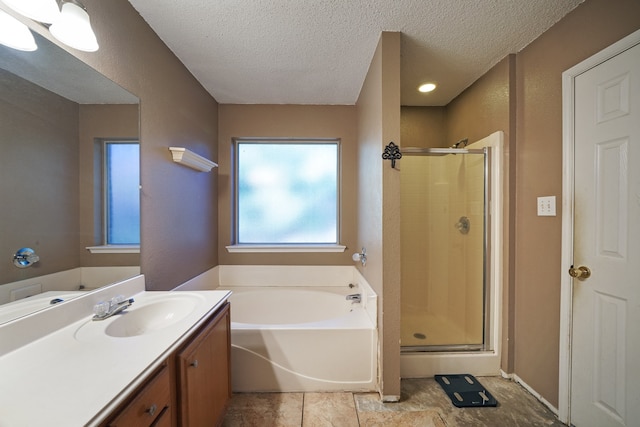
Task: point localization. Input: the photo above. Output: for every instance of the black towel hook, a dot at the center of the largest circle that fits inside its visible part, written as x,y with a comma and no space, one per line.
392,152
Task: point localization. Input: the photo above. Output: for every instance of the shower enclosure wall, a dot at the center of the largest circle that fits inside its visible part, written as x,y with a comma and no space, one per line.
450,266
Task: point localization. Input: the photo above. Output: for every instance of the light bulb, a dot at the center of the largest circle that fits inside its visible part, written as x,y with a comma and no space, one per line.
74,29
15,34
45,11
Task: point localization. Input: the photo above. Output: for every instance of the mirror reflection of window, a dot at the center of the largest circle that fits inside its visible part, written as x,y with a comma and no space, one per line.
122,195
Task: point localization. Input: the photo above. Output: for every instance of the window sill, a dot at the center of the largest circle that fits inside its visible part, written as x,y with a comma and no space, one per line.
284,248
114,249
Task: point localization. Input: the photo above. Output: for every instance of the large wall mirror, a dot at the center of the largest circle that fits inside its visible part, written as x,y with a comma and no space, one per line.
56,116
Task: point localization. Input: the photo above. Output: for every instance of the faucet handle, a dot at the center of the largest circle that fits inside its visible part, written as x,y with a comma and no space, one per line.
102,308
117,299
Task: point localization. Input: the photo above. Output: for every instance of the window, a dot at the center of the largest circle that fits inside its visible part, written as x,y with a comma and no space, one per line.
286,192
122,192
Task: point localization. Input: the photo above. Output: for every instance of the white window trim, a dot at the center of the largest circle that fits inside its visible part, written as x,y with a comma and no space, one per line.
285,248
114,249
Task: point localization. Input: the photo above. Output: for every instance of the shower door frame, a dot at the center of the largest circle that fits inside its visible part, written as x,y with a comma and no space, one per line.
426,364
486,254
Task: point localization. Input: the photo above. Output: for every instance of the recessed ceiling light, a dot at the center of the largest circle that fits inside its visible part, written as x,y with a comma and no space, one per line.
427,87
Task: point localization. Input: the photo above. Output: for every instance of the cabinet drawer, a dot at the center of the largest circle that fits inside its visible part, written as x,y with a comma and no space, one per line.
151,406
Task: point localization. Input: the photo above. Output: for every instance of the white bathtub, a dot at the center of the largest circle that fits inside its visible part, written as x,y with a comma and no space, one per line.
302,338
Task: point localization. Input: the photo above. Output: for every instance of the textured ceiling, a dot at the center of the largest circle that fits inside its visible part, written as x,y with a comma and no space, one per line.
319,51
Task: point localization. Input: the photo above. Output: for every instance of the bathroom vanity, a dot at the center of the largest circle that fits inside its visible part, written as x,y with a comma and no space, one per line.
191,388
162,362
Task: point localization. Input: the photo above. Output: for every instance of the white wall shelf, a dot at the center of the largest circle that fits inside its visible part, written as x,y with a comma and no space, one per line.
189,158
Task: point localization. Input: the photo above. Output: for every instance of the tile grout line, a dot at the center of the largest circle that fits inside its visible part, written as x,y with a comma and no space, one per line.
355,407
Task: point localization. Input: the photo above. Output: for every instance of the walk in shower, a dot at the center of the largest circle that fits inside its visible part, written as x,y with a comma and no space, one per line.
448,248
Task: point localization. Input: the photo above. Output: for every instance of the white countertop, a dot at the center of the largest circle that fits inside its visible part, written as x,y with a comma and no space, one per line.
70,378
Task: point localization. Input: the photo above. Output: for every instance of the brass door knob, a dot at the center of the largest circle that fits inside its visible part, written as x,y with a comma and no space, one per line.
580,273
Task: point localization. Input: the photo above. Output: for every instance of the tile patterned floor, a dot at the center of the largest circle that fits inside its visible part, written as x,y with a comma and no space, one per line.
422,404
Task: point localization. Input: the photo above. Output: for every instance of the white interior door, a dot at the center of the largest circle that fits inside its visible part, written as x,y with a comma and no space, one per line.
605,350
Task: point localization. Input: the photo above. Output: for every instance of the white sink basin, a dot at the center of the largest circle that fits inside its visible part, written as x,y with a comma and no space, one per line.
150,317
146,316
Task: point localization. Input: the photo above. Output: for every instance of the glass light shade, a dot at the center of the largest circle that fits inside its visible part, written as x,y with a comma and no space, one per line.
74,29
15,34
45,11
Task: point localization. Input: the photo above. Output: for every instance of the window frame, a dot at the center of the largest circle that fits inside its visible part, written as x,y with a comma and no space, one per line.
105,247
235,246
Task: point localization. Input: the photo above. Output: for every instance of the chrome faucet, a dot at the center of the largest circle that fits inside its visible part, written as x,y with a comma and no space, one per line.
104,310
354,298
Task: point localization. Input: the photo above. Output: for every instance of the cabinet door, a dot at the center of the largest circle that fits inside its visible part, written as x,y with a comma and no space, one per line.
203,369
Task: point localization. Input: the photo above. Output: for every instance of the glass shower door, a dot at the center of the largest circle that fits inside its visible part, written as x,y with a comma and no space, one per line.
443,249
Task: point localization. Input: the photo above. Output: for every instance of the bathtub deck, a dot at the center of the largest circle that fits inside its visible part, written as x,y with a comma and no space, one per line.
423,404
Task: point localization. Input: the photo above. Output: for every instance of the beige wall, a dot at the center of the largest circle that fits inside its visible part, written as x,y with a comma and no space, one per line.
178,205
39,178
589,28
100,122
289,121
378,111
483,107
423,127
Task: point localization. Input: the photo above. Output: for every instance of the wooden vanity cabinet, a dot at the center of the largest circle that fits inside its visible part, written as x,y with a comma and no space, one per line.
192,388
203,366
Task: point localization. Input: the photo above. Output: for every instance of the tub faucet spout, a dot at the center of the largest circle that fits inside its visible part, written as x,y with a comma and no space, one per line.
354,298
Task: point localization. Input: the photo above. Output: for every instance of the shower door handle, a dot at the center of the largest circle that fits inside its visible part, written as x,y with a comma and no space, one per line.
580,273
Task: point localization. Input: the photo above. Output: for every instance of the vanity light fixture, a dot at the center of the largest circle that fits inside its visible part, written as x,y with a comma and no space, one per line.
427,87
69,25
73,27
15,34
45,11
189,158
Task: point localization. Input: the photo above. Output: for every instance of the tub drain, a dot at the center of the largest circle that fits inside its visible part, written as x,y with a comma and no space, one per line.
420,336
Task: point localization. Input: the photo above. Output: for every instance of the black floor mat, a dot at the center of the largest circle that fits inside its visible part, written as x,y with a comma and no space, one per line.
465,390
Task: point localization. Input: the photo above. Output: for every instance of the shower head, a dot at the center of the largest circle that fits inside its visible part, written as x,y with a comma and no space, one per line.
461,144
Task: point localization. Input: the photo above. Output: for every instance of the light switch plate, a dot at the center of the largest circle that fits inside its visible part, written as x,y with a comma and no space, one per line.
547,206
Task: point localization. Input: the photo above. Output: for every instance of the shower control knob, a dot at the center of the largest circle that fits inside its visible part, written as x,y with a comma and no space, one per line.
580,273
